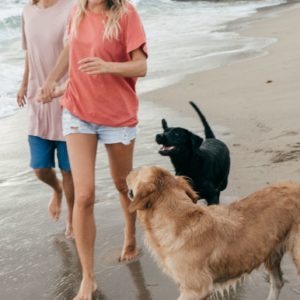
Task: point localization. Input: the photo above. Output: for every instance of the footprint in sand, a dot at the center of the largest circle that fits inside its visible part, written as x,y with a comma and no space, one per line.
258,150
286,133
287,155
297,145
263,127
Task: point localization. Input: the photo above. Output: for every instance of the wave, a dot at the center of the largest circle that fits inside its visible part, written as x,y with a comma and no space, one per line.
136,2
10,27
183,37
8,106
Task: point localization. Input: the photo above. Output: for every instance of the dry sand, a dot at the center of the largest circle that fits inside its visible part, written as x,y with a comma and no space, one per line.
252,105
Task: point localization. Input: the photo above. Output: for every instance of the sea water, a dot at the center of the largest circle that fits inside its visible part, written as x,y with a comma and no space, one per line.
183,37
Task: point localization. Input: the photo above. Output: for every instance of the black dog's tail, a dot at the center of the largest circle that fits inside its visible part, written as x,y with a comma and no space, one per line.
208,132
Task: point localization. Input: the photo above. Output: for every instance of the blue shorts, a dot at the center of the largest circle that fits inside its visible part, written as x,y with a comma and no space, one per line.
106,134
43,153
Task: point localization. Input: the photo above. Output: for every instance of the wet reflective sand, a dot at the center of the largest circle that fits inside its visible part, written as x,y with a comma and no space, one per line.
36,262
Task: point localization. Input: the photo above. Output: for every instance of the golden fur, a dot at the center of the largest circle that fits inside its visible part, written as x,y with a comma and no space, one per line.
204,248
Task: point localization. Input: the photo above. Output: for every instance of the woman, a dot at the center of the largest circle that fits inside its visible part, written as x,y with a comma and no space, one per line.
43,41
106,52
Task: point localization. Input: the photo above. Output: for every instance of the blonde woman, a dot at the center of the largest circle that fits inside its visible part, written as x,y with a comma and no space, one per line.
106,54
44,27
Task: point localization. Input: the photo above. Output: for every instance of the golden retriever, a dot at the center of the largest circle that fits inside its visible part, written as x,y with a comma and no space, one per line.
206,248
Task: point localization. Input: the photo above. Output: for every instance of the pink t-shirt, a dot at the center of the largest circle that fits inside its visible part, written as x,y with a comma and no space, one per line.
44,31
104,99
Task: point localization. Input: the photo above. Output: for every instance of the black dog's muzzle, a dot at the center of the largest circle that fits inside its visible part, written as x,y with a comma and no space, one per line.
160,139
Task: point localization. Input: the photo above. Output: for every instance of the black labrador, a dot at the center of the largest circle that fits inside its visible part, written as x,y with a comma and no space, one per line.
205,163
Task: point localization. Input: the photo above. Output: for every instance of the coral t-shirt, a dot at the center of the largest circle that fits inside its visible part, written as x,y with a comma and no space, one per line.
104,99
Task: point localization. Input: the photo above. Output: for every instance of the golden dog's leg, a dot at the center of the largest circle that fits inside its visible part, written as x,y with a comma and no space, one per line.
272,265
192,295
295,247
200,294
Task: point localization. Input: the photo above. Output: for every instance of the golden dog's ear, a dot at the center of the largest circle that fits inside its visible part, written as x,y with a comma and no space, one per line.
183,183
142,199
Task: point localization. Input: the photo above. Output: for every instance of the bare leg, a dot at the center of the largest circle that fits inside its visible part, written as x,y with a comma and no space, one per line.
276,281
69,193
120,160
48,176
82,153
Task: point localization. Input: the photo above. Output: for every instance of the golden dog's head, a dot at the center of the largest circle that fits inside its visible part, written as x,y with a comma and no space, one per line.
151,184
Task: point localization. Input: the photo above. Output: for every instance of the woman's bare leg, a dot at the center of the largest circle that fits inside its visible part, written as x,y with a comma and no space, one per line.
121,160
82,153
48,176
69,193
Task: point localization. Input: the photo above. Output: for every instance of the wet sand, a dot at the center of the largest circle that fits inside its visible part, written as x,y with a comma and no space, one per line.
252,105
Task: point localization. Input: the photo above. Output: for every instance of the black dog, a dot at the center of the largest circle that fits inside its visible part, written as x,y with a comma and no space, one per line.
205,163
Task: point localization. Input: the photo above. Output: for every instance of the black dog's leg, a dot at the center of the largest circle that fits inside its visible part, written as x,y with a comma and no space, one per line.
214,199
208,192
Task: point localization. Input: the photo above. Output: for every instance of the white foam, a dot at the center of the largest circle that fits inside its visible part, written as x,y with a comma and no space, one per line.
8,106
183,37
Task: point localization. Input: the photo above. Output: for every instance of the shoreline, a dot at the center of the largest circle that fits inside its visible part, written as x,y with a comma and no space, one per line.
227,57
213,87
230,49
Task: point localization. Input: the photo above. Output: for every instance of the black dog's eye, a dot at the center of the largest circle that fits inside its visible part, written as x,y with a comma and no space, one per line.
130,194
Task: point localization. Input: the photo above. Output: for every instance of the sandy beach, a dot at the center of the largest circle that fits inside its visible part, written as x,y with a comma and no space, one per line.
252,105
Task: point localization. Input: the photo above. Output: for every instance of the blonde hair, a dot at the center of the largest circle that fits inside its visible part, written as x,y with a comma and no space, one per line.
115,10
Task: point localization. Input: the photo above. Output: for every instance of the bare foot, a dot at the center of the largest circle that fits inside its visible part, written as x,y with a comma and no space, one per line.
69,234
129,250
54,207
87,288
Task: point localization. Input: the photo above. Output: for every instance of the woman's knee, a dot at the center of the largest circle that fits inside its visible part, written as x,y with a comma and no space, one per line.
85,200
43,174
121,186
67,176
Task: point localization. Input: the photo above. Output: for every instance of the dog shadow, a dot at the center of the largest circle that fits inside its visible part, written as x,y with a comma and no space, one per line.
136,272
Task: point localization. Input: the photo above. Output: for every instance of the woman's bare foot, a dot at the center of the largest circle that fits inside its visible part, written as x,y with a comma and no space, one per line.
69,233
87,288
129,250
54,207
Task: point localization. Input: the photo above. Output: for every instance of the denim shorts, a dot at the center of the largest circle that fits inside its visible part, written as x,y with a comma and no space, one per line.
106,134
43,153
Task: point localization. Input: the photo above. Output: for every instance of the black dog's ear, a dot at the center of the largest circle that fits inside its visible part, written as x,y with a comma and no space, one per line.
164,124
196,140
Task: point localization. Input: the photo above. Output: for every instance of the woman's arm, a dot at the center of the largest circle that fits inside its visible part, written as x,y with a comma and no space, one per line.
47,91
137,67
24,85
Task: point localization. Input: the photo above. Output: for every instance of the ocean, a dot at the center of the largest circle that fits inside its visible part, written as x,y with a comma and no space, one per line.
183,37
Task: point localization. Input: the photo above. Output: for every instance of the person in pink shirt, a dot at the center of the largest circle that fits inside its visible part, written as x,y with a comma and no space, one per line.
44,31
105,55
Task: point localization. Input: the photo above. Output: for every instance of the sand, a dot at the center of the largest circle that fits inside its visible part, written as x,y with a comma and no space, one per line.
253,105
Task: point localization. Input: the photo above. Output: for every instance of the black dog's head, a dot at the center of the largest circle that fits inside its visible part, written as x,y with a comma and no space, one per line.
176,140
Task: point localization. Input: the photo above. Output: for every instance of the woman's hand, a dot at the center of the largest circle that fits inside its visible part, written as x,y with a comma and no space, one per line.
59,90
21,96
51,90
94,66
136,67
47,92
